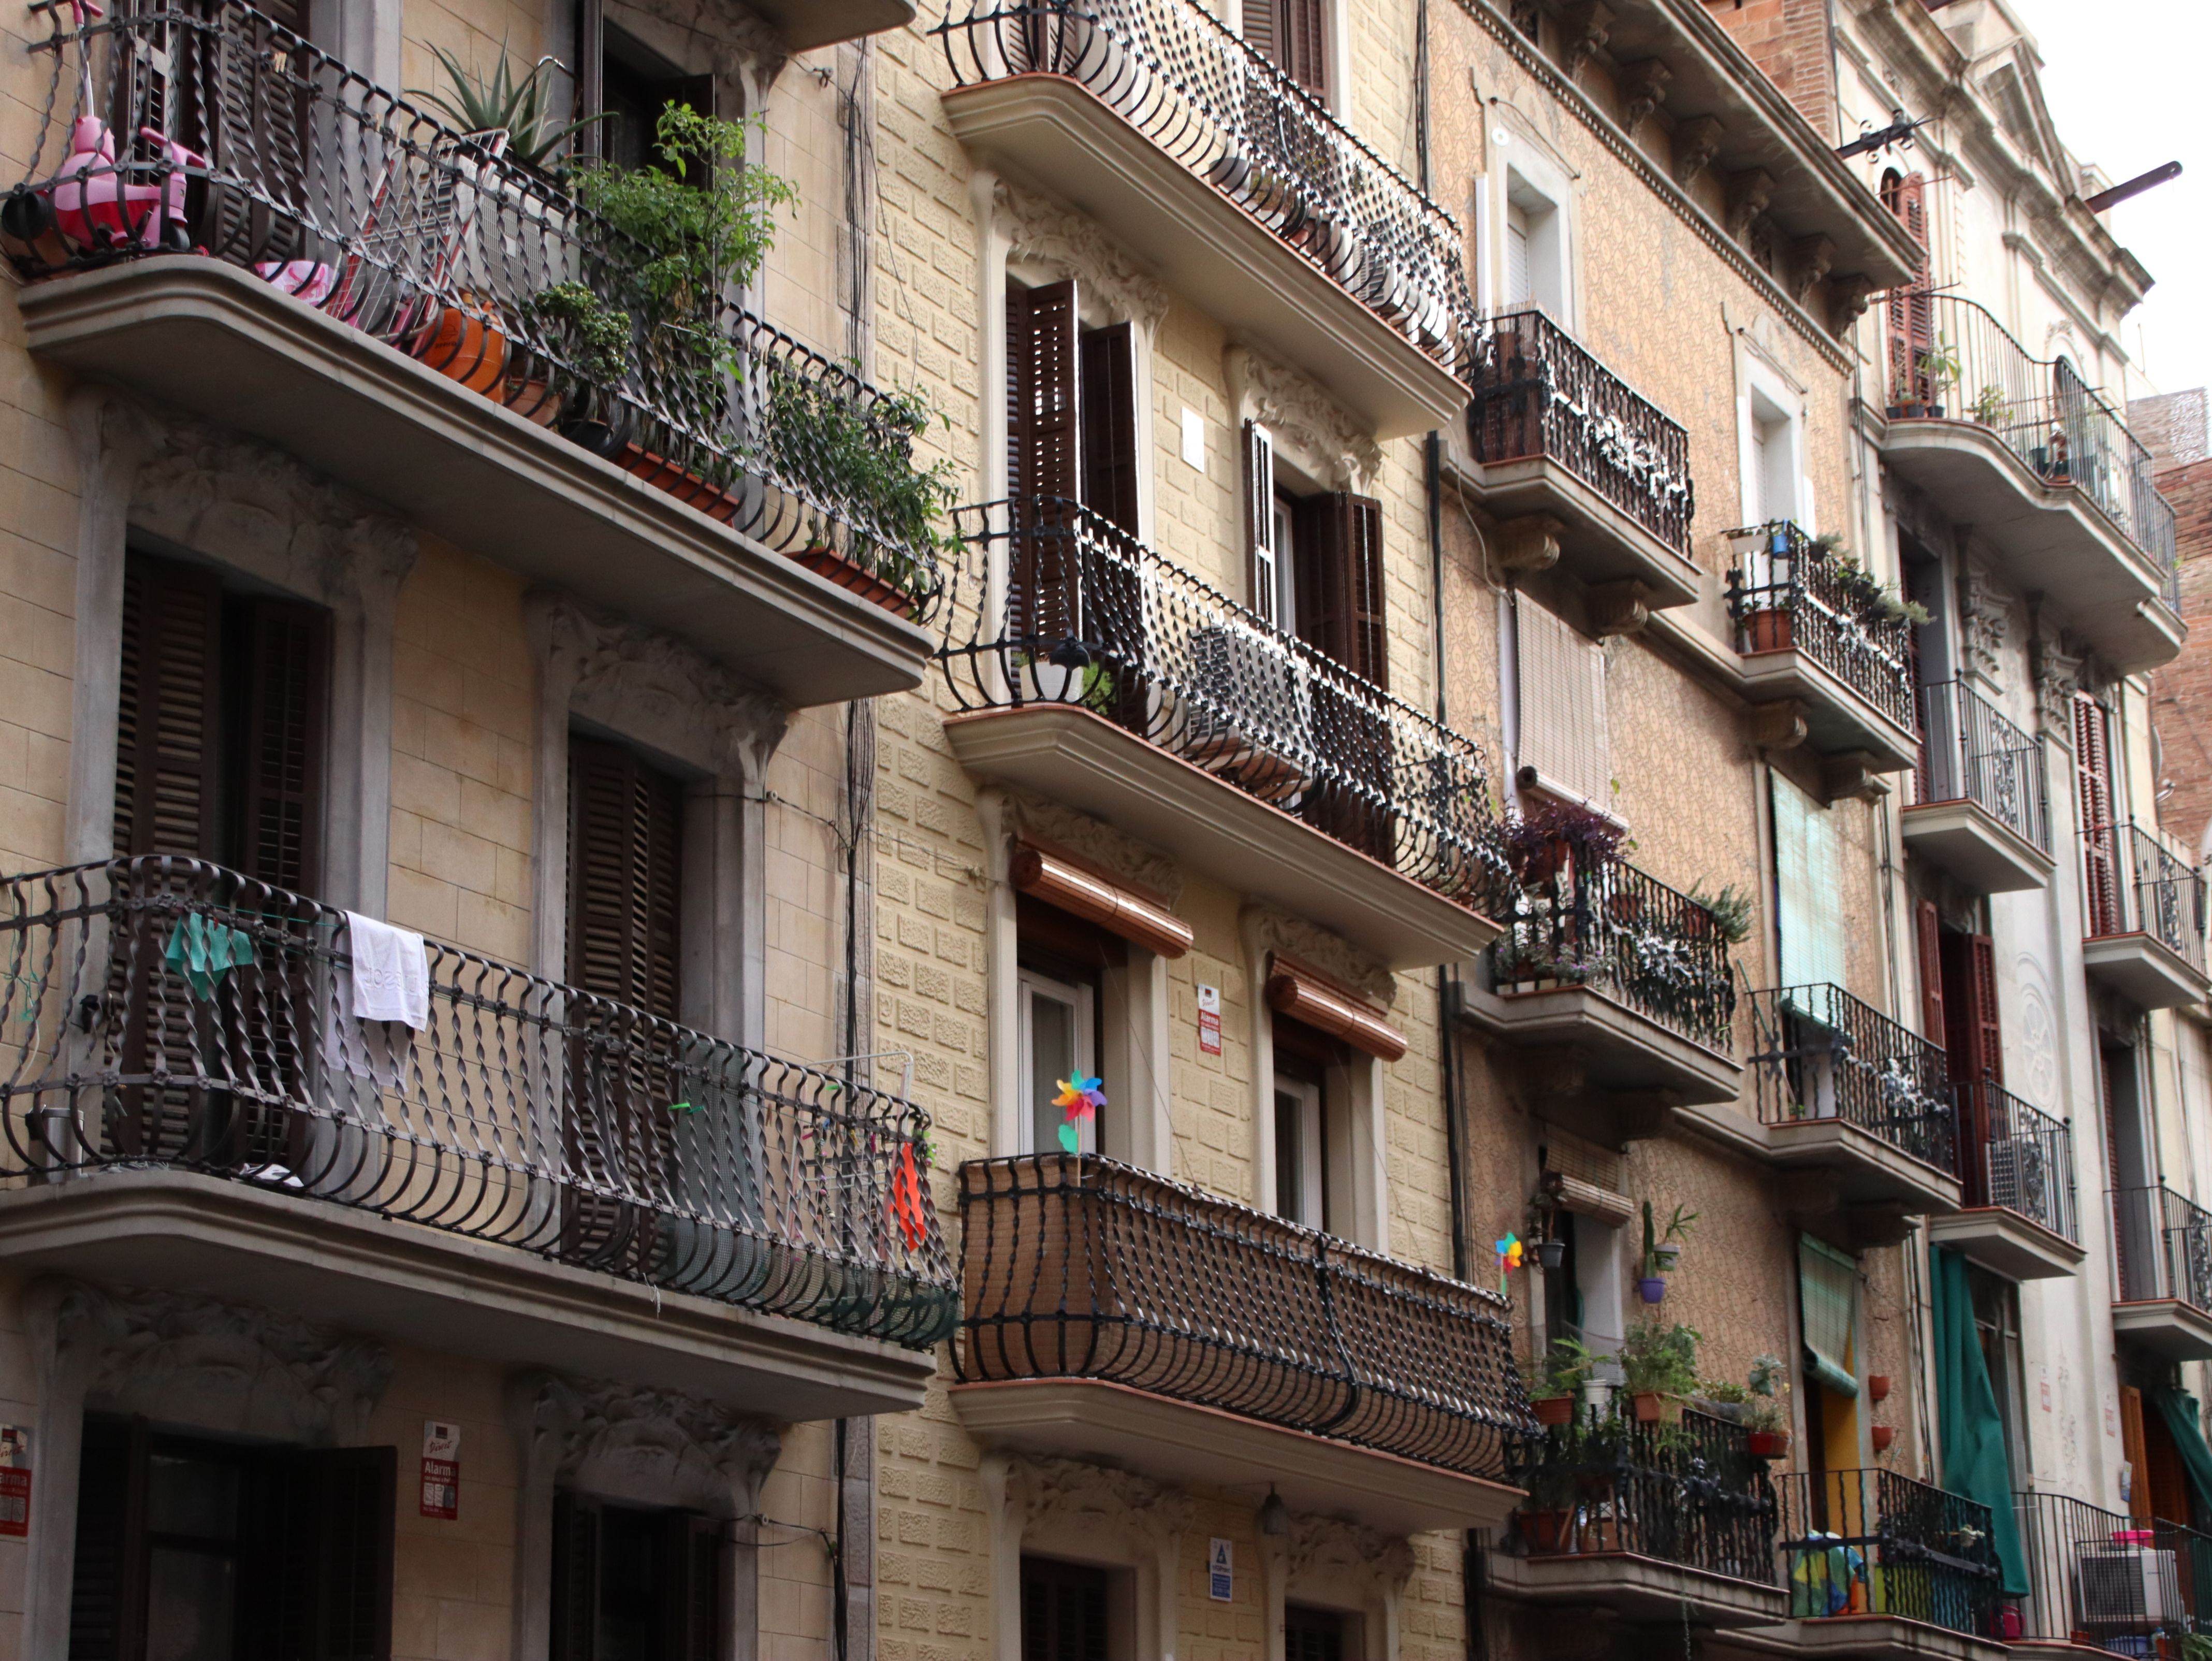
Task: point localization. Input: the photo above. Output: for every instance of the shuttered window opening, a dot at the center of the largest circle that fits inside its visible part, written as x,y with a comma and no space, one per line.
1520,288
1809,864
630,1582
1064,1611
189,1547
1292,35
1266,524
1311,1635
1911,328
1827,1297
2100,851
1973,1037
1336,542
1562,697
1928,937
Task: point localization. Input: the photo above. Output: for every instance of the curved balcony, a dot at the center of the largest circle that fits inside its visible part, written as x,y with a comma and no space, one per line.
414,314
2144,934
1232,182
1093,670
2162,1252
1812,630
537,1175
1113,1315
2042,467
2017,1214
1981,794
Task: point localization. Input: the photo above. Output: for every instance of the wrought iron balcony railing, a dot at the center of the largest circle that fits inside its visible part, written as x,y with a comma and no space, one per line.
1876,1543
1220,109
1689,1493
2134,882
212,128
1950,360
1787,592
2017,1157
1970,752
1539,393
1053,604
2163,1247
1821,1054
2125,1587
166,1013
1078,1267
1626,935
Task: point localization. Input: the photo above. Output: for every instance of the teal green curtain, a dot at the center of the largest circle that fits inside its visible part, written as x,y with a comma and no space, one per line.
2178,1409
1974,1462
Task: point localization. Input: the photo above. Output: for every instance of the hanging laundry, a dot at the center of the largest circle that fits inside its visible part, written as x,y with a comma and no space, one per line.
391,972
205,953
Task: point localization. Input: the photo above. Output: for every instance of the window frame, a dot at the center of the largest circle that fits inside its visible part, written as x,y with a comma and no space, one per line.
1081,996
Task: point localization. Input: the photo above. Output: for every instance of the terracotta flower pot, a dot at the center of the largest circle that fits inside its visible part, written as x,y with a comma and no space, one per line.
1555,1410
1653,1407
1877,1386
828,563
685,486
1770,631
1884,1436
1547,1531
464,345
533,400
1769,1443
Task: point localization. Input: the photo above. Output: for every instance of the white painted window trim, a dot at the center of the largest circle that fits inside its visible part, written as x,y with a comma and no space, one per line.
1758,379
1081,1001
1546,177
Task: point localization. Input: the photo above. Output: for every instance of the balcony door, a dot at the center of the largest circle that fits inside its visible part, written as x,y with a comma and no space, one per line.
633,1583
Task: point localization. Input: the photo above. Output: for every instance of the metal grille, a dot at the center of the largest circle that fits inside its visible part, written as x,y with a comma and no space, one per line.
1786,592
2164,1246
1618,931
1539,393
2161,894
1080,1268
170,1014
1821,1054
1971,753
1220,109
1876,1543
1053,604
2018,1156
2100,1577
253,147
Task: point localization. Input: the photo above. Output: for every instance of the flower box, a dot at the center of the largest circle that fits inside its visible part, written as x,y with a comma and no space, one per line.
828,563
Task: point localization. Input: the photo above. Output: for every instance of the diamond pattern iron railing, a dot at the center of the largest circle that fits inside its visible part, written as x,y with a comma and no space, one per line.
2017,1157
1819,1053
1970,751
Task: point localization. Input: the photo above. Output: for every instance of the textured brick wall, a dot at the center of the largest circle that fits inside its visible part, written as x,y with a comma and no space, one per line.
2181,693
1789,40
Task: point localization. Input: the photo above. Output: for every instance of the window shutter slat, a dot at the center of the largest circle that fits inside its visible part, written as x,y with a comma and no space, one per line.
1562,702
2093,762
286,692
1304,46
576,1579
1260,33
355,1498
693,1596
1929,923
1264,567
625,863
170,710
107,1597
1911,325
1987,1057
1042,362
1109,424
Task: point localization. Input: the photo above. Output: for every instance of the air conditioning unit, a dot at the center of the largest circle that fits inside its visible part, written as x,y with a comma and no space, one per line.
2125,1586
1247,710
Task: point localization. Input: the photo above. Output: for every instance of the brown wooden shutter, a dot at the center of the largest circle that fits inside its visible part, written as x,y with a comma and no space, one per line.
575,1600
2101,874
694,1596
1261,30
1043,452
1929,926
625,861
1338,551
1303,46
169,710
287,702
316,1549
1973,1039
2134,1451
1911,326
1108,407
1262,558
107,1597
1063,1611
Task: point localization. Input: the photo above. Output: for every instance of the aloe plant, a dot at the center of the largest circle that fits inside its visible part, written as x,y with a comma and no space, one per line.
521,106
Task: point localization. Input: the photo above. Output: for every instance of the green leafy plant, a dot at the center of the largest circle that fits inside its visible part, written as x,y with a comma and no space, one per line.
858,457
1940,364
1730,909
1565,1365
1991,405
590,336
1660,1358
520,105
1679,1229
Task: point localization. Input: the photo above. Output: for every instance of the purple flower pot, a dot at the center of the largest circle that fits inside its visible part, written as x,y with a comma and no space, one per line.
1652,1288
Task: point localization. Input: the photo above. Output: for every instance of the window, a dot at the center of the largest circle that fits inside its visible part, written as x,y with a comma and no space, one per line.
1808,859
1519,291
1909,328
2101,850
1312,1634
1301,1189
1560,682
626,80
1071,406
199,1551
1996,1324
1059,1041
1314,1132
1292,35
1827,1308
632,1583
1535,251
625,877
1066,1611
1773,480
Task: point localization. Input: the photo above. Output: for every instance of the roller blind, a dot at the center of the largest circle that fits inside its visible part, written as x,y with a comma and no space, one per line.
1807,859
1827,1287
1562,686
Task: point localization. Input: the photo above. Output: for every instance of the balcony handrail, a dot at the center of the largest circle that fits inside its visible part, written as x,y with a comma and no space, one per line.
2103,1576
1219,108
1082,1267
168,1013
2162,1247
2135,881
247,144
1051,604
1621,932
1690,1492
1832,612
1821,1054
1879,1543
1538,392
2039,409
2017,1157
1970,750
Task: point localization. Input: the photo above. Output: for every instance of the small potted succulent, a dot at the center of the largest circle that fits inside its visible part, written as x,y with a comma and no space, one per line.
1662,1251
1766,1419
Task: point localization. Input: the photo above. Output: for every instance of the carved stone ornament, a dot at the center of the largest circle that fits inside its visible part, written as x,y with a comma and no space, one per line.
1349,1551
1848,296
1529,542
1588,25
1044,231
1852,775
1046,1486
656,687
741,44
2059,675
1985,623
1291,406
1278,931
1810,259
1697,141
1750,191
234,1368
1642,89
652,1446
1619,608
1036,819
1776,726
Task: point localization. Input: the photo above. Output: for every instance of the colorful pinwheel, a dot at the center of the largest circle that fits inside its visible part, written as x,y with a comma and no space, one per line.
1510,1252
1079,1098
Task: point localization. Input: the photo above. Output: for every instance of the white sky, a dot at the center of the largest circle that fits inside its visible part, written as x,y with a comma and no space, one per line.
2125,82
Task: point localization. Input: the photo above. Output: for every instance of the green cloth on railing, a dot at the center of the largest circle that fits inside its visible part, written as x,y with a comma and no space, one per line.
204,952
2178,1409
1974,1463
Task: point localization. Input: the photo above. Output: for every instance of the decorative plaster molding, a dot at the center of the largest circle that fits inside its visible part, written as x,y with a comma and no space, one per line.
1587,25
1642,89
1292,407
654,1447
1529,543
1270,930
1848,296
1037,818
740,44
1811,258
1985,622
1350,1551
2059,674
1750,192
1619,608
1043,1485
1697,141
1038,229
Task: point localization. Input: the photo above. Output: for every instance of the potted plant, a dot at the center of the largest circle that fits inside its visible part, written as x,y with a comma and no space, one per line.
1939,367
1662,1251
1727,914
1659,1367
1990,404
1556,1379
1557,835
585,355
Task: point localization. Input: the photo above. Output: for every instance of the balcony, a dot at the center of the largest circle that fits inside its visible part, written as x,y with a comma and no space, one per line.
1812,630
2100,1583
2162,1247
1660,1525
1117,1317
2145,905
1102,676
1881,1566
2042,467
1558,439
418,318
1615,979
1981,798
539,1177
2017,1171
1231,182
1853,1101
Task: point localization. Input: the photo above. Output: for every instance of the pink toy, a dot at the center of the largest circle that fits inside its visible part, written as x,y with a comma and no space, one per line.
102,209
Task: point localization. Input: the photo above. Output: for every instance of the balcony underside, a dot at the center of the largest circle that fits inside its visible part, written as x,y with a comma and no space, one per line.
2144,970
1968,840
432,1290
1638,1589
2049,538
1184,1443
1055,134
804,24
1608,1045
218,341
1857,1168
1837,721
1075,756
2005,1242
2172,1326
1858,1638
1598,543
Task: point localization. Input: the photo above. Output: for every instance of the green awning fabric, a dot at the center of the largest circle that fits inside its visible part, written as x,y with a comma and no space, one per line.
2178,1409
1974,1463
1827,1299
